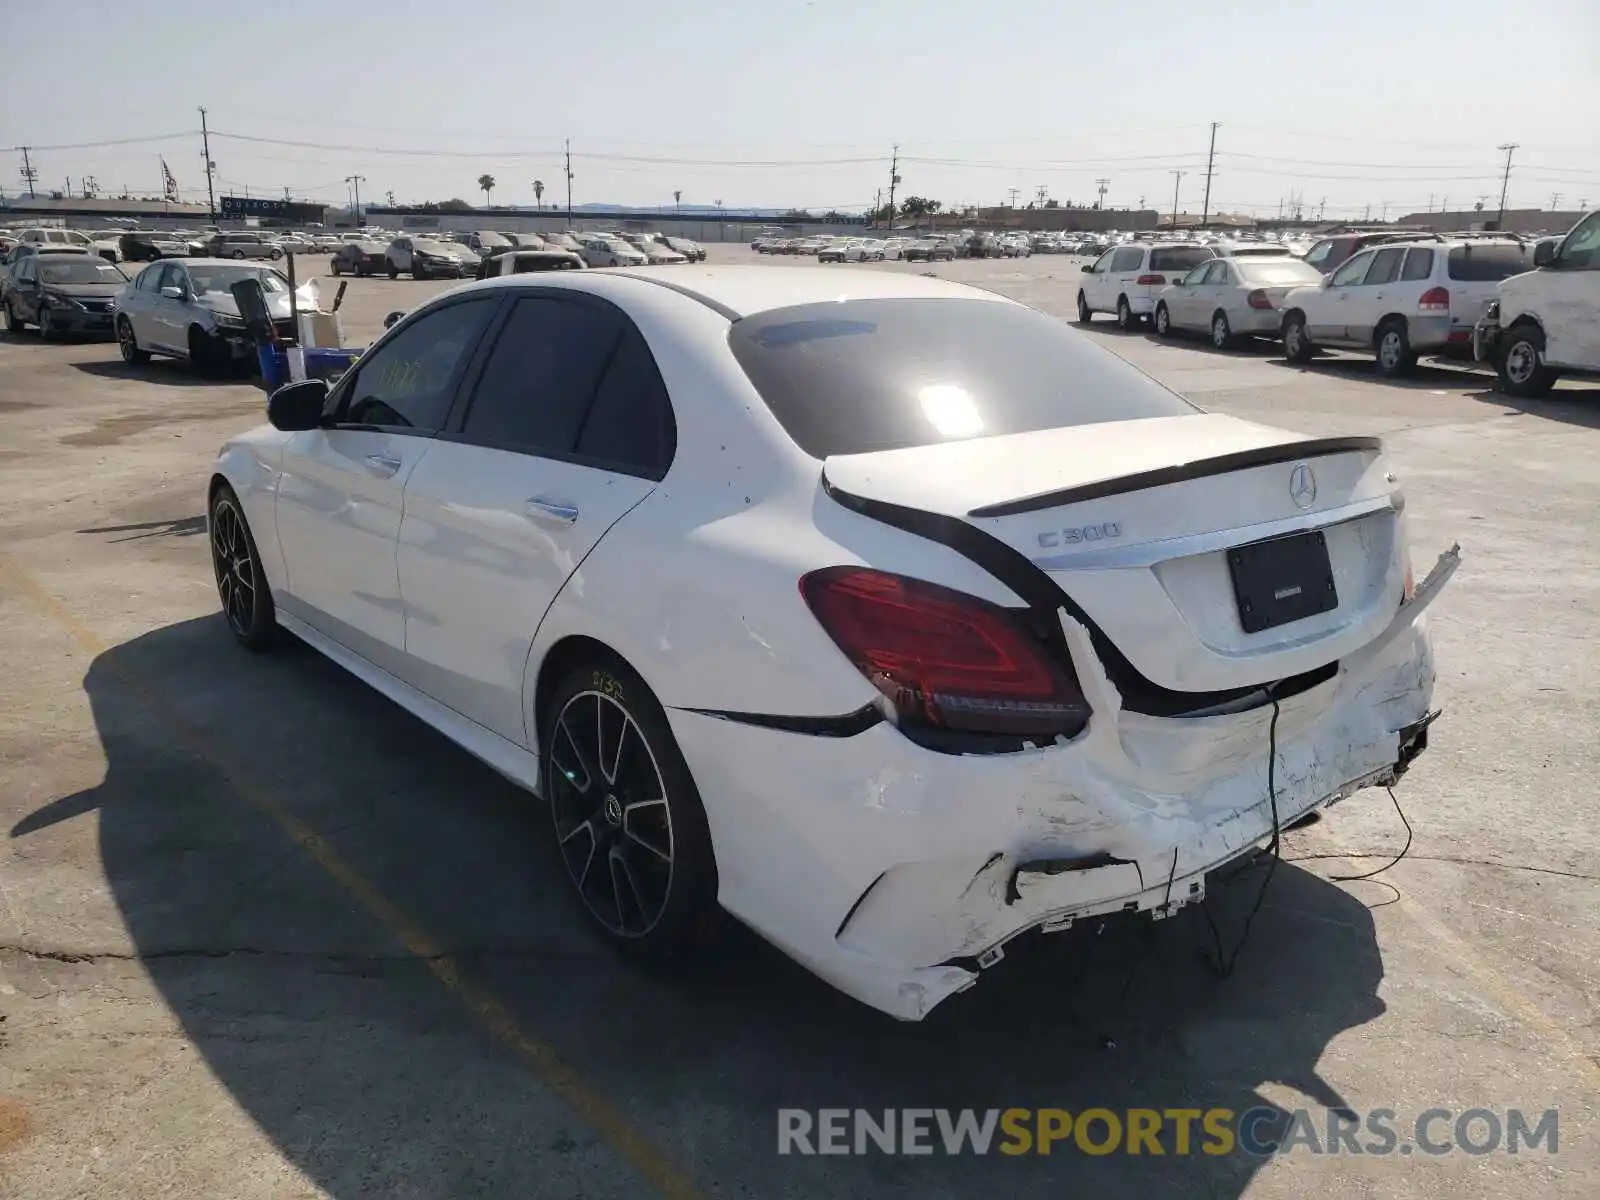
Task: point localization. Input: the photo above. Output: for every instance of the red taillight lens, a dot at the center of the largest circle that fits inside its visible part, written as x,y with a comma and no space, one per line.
1435,299
1151,280
946,659
1258,299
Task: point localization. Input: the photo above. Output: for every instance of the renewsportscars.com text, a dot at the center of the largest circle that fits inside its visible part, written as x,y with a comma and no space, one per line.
1260,1132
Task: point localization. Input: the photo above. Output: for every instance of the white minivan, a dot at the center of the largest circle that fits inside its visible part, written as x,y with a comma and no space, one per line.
1127,280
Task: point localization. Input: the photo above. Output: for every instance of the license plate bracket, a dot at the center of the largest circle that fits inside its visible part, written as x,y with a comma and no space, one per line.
1282,579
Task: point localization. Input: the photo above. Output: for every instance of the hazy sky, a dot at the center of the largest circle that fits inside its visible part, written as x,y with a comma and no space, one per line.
779,102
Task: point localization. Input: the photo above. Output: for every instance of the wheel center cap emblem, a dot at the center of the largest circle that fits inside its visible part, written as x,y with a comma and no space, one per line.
1302,486
613,811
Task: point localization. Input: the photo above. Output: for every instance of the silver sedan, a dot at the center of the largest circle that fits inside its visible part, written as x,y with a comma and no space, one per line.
1231,298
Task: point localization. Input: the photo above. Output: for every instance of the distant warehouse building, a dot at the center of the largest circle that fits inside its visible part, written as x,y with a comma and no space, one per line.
1517,220
93,214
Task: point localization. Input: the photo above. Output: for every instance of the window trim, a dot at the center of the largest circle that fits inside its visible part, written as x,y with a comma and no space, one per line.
467,389
336,402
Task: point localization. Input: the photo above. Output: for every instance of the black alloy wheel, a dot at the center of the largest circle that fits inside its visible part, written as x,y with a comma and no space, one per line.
241,584
628,821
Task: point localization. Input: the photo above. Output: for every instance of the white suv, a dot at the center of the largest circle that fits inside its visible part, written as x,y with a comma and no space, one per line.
1126,280
1400,299
1546,322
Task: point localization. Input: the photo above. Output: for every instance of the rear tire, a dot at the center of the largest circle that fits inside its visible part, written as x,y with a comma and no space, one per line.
1297,347
14,323
1163,320
238,254
129,345
1221,331
1394,354
241,583
1520,364
640,820
1126,320
394,272
1085,313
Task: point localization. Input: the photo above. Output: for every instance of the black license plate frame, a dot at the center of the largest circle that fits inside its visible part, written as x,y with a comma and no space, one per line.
1281,580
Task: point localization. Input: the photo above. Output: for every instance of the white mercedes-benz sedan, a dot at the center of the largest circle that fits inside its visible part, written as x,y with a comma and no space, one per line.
891,616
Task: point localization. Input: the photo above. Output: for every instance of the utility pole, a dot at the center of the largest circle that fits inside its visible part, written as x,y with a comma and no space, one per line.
1505,182
1042,195
1322,208
677,201
1211,154
356,181
205,146
1386,212
1555,201
1177,179
29,174
286,192
894,181
569,183
1100,186
1012,192
91,187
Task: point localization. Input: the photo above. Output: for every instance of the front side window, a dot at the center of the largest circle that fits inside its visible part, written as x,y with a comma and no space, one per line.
1128,259
540,379
1581,250
1352,272
407,383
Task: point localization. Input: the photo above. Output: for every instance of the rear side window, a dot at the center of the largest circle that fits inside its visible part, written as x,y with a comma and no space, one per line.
1179,258
1385,266
1419,265
541,376
1485,264
631,425
860,375
1127,259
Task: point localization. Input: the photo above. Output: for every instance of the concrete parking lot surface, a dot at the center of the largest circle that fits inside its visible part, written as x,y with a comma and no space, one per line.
262,934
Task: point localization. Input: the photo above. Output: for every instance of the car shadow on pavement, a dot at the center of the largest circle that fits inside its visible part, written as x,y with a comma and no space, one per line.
1575,403
182,527
173,371
373,1079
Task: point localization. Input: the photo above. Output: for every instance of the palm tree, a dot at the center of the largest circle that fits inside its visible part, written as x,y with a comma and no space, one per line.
486,185
538,192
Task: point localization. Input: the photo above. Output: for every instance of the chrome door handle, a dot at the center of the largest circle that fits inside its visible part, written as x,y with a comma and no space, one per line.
383,465
548,511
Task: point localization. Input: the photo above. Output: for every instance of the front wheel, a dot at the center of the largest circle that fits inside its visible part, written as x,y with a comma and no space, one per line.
204,355
276,254
47,325
1085,313
628,820
394,272
333,268
241,583
1297,346
1163,320
1520,365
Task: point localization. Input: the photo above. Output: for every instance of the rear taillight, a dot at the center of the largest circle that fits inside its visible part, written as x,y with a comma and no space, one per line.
1258,299
1434,300
1151,280
946,659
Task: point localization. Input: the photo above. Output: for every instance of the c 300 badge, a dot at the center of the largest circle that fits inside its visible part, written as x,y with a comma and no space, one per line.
1052,538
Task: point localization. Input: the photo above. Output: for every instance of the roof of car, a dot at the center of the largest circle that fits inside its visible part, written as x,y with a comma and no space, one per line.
744,290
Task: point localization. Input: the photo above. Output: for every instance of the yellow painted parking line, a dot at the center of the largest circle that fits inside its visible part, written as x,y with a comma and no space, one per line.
664,1175
1450,946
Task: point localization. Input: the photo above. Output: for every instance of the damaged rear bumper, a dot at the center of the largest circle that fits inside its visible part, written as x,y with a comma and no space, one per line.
898,873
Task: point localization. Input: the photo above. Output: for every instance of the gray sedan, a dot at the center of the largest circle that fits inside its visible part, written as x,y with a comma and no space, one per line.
1231,298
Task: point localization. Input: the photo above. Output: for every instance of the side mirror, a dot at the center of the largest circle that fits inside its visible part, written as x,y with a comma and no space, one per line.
392,318
1544,254
1088,268
173,293
296,407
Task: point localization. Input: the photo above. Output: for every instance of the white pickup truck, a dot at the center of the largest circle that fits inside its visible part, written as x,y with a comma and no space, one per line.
1545,323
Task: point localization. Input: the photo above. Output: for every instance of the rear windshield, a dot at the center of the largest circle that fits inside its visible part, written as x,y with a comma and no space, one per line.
1289,271
1486,264
1259,251
858,375
1179,258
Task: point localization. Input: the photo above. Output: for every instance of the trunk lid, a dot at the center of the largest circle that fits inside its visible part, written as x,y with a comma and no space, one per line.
1135,521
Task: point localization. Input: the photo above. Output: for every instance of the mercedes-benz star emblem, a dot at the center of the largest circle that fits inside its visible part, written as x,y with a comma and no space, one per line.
1302,486
613,812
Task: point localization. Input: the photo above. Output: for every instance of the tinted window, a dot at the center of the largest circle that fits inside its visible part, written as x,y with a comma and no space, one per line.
153,279
1419,264
1485,264
408,381
1319,253
631,423
1180,258
1385,266
858,375
1581,250
1129,258
541,376
1351,272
